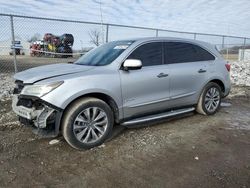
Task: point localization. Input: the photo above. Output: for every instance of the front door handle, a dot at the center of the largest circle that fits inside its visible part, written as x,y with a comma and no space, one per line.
161,75
202,71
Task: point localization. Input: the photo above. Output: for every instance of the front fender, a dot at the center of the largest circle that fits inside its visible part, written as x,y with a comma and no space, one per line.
71,89
88,92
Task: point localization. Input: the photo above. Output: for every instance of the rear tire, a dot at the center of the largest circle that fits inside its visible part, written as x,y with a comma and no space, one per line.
210,99
87,123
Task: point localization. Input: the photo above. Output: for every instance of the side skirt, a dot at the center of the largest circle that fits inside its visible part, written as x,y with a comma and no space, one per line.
157,116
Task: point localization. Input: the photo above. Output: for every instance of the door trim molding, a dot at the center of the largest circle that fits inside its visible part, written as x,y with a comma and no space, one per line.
162,100
183,95
148,103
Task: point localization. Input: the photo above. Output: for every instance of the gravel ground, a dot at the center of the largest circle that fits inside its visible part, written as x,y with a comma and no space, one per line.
6,86
190,151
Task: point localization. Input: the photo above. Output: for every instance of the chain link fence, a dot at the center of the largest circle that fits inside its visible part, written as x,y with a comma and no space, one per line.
27,42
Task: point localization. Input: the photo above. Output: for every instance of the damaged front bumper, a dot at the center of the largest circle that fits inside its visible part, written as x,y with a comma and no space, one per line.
44,118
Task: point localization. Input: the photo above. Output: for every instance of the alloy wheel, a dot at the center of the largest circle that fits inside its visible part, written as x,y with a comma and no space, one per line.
212,99
90,125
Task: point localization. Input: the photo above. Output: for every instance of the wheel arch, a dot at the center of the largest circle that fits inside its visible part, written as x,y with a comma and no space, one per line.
220,83
102,96
200,107
215,80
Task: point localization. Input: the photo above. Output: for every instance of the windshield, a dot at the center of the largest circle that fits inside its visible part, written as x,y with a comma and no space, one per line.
104,54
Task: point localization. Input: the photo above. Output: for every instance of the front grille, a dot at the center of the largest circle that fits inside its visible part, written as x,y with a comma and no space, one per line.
19,87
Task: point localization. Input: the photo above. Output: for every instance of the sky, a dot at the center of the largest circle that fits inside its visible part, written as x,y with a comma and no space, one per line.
227,17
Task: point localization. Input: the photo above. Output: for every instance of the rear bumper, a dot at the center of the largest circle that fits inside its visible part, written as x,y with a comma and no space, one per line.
44,118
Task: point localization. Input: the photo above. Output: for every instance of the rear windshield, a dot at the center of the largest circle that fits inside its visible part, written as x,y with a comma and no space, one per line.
104,54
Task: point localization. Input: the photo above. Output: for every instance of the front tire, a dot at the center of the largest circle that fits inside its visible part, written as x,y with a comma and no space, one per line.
210,99
87,123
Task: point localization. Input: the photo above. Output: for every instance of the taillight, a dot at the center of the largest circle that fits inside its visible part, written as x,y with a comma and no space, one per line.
228,66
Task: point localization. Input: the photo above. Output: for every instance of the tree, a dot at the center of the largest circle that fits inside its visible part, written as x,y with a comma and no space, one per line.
35,37
95,37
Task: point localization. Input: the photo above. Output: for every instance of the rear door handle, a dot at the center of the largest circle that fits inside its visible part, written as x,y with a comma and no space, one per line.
161,75
202,71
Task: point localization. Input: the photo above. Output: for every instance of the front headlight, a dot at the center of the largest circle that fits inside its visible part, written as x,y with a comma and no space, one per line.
40,90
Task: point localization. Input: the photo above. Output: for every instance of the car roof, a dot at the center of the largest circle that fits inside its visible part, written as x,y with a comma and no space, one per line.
146,39
208,46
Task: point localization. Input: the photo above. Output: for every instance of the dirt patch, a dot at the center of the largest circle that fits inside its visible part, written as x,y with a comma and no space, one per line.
192,151
239,92
27,62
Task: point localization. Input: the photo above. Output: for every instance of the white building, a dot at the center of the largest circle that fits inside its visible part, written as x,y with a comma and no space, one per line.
244,55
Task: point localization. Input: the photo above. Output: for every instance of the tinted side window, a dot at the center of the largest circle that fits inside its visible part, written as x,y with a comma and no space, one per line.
178,52
203,55
150,54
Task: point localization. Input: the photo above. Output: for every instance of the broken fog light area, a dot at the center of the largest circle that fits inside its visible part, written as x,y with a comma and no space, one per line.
41,120
19,86
25,102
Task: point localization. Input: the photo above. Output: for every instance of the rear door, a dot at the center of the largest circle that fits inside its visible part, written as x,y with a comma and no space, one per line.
146,90
188,64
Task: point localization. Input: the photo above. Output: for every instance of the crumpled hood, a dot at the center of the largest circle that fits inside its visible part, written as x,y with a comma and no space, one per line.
49,71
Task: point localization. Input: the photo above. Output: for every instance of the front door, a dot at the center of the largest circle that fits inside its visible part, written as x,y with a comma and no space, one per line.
146,91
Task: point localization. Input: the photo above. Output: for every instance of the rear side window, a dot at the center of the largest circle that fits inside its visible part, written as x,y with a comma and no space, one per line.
179,52
150,54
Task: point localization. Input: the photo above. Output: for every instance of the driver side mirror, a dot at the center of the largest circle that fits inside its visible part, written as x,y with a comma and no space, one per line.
132,64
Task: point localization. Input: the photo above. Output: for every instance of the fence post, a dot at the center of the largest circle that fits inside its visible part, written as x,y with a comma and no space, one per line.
107,33
156,32
13,42
244,46
194,36
223,42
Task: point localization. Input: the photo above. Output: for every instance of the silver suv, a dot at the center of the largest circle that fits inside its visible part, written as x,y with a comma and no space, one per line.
124,82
